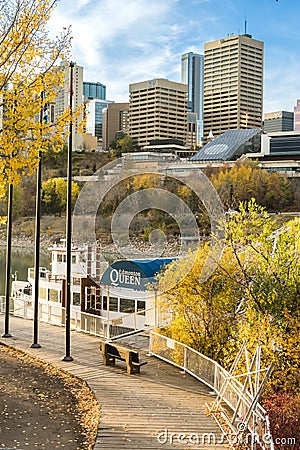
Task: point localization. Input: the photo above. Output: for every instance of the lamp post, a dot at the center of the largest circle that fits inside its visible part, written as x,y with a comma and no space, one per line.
35,343
6,333
68,356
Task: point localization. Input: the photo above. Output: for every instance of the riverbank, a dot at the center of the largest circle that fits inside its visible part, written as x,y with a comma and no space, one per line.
23,232
53,231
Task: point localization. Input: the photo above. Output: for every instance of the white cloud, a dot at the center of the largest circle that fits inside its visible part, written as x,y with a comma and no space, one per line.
119,42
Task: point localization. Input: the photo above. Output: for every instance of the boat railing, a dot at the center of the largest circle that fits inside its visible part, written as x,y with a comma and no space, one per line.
55,314
22,305
46,275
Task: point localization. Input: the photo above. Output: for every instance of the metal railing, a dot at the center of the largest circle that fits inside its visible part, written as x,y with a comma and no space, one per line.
217,378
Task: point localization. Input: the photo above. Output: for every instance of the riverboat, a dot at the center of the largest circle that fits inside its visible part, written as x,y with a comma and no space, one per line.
109,299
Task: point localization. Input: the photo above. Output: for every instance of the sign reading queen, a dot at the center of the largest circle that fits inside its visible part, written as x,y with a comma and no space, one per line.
134,274
121,277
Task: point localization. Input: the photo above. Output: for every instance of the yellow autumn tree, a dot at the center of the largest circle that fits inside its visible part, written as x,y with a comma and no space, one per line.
253,295
54,195
269,262
30,74
204,315
246,180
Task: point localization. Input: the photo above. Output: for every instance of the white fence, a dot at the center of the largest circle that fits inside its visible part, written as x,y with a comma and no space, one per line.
217,378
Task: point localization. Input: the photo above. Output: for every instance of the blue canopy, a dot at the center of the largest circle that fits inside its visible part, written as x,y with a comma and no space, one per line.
134,273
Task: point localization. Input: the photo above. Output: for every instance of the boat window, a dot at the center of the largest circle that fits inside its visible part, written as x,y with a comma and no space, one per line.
104,302
82,257
43,293
90,297
127,305
92,301
98,299
27,290
59,257
73,259
141,306
113,304
53,295
76,298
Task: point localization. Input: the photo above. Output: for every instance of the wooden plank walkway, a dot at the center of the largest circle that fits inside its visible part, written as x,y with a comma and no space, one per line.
137,411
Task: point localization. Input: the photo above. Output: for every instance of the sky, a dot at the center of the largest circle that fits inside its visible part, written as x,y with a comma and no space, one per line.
119,42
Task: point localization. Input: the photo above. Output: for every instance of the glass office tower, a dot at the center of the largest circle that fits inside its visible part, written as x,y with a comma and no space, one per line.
192,68
94,90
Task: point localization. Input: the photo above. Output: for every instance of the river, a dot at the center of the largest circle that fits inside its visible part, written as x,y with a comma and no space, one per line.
21,259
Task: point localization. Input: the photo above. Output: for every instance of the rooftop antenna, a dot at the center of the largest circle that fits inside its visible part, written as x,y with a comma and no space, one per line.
245,24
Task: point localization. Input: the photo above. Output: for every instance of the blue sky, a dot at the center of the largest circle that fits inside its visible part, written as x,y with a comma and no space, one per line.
119,42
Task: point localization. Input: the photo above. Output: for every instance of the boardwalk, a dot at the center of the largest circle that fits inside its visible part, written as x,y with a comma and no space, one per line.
137,411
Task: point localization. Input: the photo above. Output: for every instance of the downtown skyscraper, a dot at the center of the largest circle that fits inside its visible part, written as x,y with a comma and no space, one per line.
233,84
192,65
157,110
63,99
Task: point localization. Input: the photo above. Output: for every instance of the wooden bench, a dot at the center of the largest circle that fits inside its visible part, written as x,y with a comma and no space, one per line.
111,352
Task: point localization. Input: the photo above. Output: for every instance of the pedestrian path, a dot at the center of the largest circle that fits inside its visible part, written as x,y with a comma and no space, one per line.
161,408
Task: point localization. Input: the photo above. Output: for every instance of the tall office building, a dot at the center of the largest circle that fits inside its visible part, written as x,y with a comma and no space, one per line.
158,110
233,84
63,99
297,116
278,121
114,119
192,68
94,90
94,120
